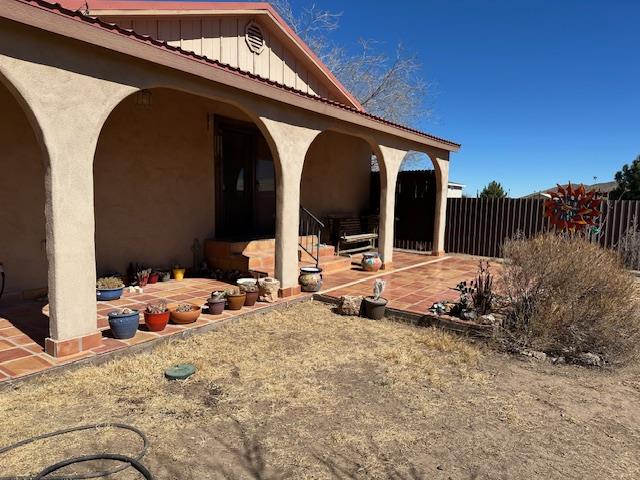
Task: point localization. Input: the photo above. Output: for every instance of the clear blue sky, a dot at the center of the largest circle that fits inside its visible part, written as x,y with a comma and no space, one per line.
537,92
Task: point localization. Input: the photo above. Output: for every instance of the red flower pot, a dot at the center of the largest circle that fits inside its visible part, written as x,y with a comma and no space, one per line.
156,322
153,278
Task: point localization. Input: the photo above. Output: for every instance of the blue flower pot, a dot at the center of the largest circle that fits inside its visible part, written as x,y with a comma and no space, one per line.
124,325
104,295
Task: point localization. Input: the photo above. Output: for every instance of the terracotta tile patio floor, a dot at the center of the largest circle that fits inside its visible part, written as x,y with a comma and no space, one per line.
414,283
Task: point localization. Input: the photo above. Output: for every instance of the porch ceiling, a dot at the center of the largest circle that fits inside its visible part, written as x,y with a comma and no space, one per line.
73,24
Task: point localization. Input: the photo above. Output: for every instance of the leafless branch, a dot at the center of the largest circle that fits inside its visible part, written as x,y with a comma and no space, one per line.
389,86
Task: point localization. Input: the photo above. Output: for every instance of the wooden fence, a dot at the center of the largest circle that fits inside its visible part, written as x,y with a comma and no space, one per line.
415,208
479,226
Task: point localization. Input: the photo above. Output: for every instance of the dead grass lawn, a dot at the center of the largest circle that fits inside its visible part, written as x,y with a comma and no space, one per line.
304,393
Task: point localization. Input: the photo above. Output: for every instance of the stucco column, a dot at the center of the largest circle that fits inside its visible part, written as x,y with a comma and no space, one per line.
389,168
70,245
67,109
440,221
290,144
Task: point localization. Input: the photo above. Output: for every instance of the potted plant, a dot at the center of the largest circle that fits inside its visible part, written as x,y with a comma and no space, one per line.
156,315
154,277
216,302
164,276
142,277
371,262
374,307
235,298
184,313
109,288
251,291
124,323
178,273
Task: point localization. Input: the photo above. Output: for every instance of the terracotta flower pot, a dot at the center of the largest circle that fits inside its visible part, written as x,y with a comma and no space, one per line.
252,298
374,309
153,278
217,307
182,318
178,274
156,322
236,302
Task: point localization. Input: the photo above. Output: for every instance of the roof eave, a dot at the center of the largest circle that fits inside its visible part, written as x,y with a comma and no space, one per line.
231,8
55,19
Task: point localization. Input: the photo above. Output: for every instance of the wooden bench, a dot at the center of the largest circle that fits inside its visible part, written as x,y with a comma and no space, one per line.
353,231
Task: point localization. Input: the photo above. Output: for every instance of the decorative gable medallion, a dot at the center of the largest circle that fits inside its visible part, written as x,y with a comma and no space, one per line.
254,37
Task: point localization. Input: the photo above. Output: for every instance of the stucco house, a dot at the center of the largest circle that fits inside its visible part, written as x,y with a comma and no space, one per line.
133,130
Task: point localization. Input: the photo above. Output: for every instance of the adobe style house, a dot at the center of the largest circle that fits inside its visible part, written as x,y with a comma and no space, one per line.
134,130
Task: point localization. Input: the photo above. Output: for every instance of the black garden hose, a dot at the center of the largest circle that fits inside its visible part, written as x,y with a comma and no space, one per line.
126,461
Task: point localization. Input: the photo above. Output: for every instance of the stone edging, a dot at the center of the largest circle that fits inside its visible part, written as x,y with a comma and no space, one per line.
445,322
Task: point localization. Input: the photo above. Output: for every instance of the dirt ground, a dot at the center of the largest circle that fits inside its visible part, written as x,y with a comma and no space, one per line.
304,393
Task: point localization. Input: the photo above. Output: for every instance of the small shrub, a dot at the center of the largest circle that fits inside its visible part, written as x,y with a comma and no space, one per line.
566,295
629,246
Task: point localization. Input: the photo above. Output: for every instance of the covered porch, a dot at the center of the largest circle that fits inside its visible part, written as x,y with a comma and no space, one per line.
414,283
126,150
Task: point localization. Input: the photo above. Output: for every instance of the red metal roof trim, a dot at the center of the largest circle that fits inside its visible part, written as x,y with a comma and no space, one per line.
185,6
56,7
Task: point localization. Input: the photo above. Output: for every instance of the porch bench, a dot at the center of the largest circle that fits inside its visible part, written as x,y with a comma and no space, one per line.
353,232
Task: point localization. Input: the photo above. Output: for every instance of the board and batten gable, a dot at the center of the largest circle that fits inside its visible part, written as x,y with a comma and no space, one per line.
223,38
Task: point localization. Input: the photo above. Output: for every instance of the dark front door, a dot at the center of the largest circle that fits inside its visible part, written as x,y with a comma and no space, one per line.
245,182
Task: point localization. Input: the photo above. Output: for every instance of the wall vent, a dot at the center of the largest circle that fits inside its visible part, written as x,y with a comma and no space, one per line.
254,37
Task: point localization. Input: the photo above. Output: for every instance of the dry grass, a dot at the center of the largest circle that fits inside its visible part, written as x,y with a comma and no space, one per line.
283,362
571,296
304,393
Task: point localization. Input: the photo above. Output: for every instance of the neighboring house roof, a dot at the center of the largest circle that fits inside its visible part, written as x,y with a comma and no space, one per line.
129,7
456,184
603,187
94,22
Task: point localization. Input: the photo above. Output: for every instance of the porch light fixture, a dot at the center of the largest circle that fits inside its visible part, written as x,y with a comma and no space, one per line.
143,99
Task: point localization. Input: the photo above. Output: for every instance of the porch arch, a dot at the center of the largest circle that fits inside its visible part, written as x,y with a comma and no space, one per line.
415,202
336,181
163,153
23,192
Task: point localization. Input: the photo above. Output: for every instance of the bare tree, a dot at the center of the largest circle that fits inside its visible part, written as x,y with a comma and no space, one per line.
389,86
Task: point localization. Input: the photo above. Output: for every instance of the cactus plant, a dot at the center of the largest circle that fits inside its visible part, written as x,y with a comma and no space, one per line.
157,307
378,288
